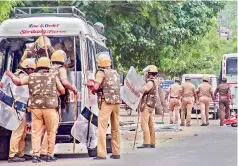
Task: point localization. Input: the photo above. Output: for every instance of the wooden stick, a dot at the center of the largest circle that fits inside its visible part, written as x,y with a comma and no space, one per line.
46,50
75,118
137,125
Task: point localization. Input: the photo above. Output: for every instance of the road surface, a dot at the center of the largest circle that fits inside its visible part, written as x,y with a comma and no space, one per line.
193,146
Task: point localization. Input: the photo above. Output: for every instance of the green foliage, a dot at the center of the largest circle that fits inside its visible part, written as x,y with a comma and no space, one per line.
177,36
201,57
150,31
228,16
6,7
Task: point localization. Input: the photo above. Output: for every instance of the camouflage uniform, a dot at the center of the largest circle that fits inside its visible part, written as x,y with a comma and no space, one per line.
109,100
61,72
17,141
42,104
147,106
224,101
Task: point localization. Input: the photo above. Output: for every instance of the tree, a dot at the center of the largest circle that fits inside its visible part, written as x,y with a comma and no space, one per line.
6,7
165,33
145,31
202,57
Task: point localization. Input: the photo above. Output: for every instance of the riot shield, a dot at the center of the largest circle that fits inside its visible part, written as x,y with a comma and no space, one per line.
10,118
85,132
129,92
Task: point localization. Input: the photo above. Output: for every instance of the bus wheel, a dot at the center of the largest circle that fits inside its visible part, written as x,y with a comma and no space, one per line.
5,136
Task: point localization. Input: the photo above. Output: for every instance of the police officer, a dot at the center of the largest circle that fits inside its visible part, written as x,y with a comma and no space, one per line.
174,103
43,102
187,101
67,46
225,99
58,61
38,48
107,86
147,106
17,141
204,93
58,68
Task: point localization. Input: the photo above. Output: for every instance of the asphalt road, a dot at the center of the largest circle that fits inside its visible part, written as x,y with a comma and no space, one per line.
205,146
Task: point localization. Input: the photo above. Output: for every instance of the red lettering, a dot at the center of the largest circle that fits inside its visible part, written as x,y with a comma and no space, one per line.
132,89
40,31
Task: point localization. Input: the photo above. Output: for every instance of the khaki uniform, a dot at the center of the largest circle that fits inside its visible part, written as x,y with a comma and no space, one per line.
174,103
62,74
188,93
17,141
147,107
224,103
109,105
204,92
43,104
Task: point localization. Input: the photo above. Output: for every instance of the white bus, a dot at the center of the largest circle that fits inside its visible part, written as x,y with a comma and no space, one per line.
229,70
56,23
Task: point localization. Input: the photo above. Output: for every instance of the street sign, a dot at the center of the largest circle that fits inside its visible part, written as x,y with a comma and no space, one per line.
165,85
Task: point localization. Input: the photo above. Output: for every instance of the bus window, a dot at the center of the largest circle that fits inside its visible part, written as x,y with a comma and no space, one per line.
213,81
231,65
196,81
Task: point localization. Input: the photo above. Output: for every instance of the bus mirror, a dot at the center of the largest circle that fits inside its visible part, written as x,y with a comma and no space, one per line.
122,79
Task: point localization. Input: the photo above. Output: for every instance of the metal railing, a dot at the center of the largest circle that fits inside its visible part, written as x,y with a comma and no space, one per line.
65,11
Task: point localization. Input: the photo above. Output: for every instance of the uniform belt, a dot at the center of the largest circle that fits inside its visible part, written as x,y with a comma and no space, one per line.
174,97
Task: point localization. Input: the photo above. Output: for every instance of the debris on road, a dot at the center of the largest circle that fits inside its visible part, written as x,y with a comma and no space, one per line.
158,127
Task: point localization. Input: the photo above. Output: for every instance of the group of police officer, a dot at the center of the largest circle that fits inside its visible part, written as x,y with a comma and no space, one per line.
185,96
48,81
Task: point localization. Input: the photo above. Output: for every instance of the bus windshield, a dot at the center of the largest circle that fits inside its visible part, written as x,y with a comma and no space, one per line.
231,65
196,81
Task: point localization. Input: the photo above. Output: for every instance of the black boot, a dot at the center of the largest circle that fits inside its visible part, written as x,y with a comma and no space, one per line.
50,159
144,146
152,145
188,125
35,159
43,157
26,157
99,158
203,124
115,156
15,159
